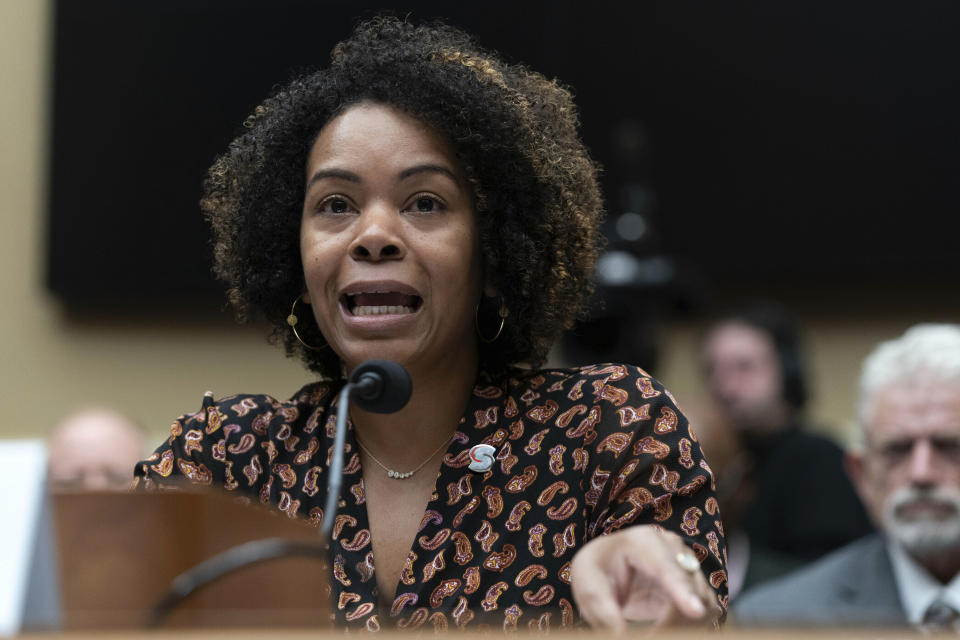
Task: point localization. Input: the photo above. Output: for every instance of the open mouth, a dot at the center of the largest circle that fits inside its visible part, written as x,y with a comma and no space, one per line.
380,303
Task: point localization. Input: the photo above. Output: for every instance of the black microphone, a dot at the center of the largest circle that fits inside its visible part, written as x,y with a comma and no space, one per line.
379,386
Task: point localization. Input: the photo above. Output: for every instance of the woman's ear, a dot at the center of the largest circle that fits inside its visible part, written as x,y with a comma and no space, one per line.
490,291
305,298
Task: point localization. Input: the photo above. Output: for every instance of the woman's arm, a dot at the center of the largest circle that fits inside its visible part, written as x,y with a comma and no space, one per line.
220,445
655,549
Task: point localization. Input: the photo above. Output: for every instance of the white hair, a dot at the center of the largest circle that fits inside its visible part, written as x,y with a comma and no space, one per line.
924,352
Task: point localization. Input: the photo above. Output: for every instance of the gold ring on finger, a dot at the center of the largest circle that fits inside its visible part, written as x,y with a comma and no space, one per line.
687,562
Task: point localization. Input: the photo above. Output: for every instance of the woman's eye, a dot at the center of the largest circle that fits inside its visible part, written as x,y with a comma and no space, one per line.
334,205
425,204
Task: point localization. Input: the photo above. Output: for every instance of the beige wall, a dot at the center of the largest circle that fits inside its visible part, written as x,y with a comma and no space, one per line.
154,372
49,364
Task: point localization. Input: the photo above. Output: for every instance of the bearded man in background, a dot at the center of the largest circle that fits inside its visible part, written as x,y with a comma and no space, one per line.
908,475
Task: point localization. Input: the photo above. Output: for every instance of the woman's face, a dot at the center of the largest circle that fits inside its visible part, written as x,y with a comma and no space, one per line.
389,240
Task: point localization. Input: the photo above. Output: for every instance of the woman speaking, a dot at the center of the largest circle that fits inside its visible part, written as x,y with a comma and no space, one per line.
423,202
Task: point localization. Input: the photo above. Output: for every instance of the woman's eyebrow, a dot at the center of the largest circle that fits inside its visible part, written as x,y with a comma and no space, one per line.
340,174
427,168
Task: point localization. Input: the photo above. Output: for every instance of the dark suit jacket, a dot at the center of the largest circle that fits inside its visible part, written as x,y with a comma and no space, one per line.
805,506
853,586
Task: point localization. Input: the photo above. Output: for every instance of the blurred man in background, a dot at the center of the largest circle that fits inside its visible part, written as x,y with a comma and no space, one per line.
908,473
784,496
94,449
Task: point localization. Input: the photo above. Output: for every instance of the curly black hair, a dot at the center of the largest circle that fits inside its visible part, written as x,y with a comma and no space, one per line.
516,134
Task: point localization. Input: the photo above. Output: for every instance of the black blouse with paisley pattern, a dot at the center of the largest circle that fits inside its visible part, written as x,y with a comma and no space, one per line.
579,453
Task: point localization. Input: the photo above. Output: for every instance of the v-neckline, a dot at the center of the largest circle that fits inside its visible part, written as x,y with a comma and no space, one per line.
437,533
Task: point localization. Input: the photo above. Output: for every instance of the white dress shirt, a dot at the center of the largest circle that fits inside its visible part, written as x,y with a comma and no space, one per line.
918,589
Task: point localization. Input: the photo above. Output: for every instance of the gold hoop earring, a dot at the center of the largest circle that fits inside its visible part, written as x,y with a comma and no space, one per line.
292,320
502,313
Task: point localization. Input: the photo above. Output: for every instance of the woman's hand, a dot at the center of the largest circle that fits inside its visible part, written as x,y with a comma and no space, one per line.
640,574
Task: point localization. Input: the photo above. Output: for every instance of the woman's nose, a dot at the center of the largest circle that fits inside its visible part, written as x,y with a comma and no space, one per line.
378,236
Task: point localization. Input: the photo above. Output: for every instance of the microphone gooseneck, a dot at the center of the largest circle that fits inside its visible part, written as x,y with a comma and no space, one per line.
234,558
378,386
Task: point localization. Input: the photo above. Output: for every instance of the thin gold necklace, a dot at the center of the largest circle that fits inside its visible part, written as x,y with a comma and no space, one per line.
402,475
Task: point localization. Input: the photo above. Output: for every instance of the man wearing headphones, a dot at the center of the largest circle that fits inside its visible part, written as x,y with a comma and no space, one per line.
784,495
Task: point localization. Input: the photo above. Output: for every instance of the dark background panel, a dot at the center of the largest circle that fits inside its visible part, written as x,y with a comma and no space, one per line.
796,143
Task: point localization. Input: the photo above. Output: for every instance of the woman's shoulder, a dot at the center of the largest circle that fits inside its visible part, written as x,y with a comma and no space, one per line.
610,382
257,408
222,443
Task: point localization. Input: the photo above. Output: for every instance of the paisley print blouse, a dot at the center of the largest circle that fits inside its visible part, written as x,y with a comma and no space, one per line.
579,453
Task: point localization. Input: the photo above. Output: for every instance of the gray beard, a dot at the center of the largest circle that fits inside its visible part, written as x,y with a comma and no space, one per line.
923,538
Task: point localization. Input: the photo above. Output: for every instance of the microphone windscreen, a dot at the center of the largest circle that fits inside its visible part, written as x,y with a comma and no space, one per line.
393,392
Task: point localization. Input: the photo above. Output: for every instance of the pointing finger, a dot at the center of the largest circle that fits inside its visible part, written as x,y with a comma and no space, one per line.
595,597
677,583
